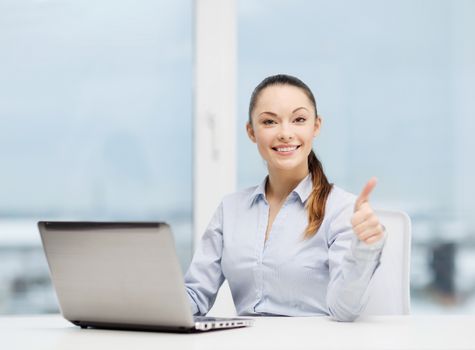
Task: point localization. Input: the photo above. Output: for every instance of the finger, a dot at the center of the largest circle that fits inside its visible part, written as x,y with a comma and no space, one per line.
364,213
364,195
373,231
371,223
373,239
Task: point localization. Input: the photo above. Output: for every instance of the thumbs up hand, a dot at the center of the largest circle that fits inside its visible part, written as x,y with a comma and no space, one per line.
365,223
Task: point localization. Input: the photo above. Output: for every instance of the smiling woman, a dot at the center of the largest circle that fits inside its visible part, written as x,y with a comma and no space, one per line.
397,102
317,246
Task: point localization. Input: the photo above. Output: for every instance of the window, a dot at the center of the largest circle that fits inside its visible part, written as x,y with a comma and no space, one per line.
95,124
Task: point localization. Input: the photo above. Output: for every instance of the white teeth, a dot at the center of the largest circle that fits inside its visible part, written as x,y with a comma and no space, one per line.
287,149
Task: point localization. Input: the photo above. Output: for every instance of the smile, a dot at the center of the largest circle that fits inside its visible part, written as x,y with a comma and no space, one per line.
286,149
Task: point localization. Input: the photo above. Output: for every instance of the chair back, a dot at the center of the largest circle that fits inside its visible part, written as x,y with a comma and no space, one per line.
389,289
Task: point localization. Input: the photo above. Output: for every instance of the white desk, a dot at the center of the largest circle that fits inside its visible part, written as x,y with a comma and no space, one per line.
389,332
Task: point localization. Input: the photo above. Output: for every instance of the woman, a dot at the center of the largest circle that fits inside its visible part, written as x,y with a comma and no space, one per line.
295,245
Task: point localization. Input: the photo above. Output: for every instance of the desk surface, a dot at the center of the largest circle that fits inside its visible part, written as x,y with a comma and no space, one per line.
388,332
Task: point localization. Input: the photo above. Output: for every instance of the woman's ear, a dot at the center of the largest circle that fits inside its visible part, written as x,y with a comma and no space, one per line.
318,125
250,132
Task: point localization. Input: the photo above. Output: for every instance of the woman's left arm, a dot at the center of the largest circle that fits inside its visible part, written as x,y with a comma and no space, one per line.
356,240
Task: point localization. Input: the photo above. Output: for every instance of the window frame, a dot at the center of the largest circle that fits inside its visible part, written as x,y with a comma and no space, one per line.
214,107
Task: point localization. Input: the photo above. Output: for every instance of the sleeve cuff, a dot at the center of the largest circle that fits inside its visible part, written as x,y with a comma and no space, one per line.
194,308
365,251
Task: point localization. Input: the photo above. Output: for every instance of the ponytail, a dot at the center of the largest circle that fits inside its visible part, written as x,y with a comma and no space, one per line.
318,197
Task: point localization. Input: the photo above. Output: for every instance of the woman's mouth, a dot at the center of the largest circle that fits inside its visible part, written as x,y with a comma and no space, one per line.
286,150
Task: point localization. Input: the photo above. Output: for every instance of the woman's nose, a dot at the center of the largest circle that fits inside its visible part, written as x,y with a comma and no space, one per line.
285,134
285,137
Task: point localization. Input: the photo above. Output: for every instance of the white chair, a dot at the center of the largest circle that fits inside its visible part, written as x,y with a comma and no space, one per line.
389,289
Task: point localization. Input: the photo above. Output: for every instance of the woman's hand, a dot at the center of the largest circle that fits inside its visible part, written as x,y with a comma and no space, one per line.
365,223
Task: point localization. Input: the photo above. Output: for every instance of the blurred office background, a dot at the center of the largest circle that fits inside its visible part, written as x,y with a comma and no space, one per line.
96,121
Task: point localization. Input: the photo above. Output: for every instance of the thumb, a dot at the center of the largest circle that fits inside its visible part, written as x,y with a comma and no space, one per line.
364,195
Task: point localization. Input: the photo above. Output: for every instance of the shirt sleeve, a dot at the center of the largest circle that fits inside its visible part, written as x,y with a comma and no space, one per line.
204,276
352,264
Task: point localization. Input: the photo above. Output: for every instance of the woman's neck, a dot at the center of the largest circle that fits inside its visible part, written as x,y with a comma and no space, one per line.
281,183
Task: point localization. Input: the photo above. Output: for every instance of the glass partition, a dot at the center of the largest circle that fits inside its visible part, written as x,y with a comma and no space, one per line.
95,124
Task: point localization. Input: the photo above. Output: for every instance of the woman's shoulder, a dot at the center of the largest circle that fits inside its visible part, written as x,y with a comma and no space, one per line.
339,200
240,195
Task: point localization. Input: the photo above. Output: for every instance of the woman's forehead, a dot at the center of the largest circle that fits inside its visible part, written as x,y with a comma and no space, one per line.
283,97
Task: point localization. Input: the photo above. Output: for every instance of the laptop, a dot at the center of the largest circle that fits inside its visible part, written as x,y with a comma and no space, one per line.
122,275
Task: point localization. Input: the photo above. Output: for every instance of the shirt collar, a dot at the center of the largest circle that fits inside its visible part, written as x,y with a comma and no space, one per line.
259,191
303,189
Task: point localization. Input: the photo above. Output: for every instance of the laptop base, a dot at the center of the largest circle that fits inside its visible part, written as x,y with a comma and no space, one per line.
199,328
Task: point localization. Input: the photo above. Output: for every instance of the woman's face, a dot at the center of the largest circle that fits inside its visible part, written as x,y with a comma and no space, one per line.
284,126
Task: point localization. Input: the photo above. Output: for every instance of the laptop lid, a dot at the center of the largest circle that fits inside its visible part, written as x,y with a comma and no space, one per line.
116,273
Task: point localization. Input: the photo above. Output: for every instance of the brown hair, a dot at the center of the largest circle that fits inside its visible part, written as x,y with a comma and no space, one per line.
321,187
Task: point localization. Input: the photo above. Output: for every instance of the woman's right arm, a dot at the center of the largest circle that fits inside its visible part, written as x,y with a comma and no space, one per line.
204,276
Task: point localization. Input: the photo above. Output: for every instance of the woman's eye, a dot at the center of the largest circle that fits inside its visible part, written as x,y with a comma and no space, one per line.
268,122
300,119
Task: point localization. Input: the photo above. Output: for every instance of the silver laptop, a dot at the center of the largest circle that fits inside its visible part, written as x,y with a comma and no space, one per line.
121,276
